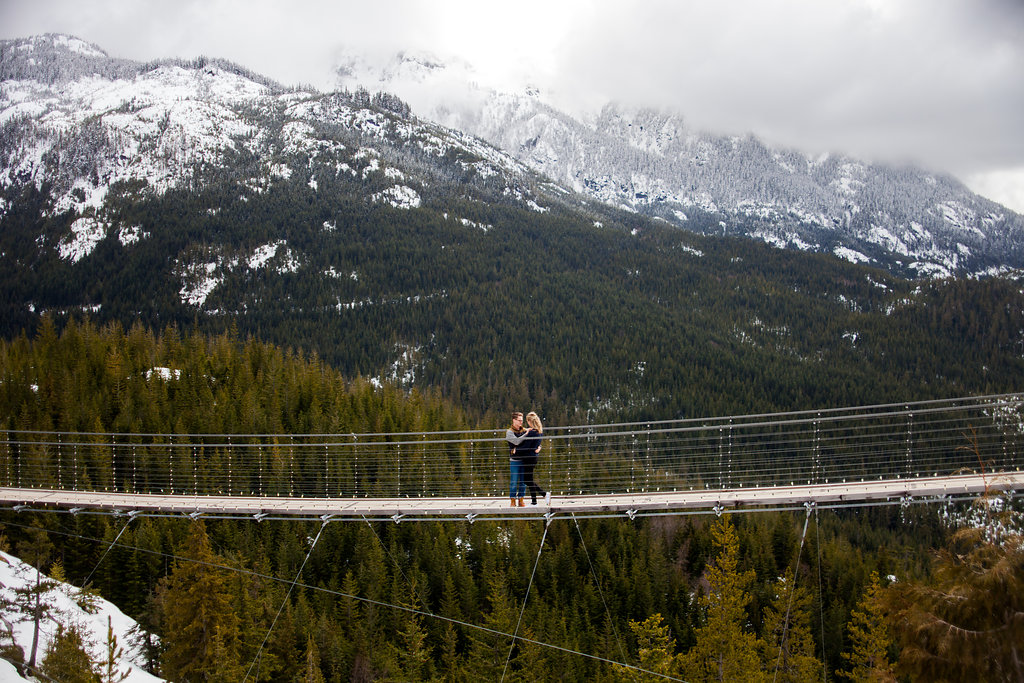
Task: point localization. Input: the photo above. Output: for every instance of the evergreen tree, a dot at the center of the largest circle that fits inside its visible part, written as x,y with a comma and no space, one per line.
198,625
311,673
110,667
29,597
724,649
411,651
655,650
66,658
224,665
281,656
450,662
787,645
867,660
968,623
488,653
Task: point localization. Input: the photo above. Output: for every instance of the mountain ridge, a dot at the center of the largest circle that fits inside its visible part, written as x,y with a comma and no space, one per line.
88,122
642,161
651,162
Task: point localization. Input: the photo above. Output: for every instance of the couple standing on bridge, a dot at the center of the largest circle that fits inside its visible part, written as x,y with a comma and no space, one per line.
524,448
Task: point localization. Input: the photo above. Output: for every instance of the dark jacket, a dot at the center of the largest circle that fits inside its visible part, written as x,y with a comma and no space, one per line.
527,448
515,441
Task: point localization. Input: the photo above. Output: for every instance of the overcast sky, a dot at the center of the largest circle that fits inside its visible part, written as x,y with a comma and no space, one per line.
939,83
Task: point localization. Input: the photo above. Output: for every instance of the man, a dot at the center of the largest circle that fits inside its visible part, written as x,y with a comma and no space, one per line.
515,435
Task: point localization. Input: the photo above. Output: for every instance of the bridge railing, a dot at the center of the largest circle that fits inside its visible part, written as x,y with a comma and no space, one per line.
922,439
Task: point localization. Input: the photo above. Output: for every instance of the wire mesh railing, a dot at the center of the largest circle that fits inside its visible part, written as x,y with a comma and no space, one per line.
894,441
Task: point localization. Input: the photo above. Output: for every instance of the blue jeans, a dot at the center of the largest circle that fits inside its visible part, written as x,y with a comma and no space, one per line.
517,488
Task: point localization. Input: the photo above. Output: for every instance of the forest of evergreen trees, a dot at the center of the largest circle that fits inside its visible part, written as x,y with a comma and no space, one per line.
770,595
632,321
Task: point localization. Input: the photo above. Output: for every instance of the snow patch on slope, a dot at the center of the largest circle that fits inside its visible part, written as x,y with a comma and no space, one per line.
67,602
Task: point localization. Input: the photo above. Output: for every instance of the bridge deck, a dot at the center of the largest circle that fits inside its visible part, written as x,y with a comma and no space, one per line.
400,509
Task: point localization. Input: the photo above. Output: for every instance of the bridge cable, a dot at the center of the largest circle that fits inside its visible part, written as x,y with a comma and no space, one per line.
792,593
600,592
371,601
112,543
257,660
378,603
525,598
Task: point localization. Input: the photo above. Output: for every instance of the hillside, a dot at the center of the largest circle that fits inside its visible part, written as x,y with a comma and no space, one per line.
69,607
200,195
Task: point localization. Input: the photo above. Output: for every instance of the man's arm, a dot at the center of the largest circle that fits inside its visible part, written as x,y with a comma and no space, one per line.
514,440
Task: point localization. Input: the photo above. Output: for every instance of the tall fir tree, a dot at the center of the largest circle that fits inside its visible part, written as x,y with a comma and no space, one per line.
655,651
67,659
412,652
198,625
29,596
450,657
787,645
724,650
311,672
488,653
111,670
867,660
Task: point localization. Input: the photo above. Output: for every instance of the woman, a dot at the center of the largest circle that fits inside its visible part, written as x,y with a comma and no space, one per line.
528,451
515,435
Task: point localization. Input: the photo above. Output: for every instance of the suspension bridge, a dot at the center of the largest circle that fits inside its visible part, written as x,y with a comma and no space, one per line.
882,454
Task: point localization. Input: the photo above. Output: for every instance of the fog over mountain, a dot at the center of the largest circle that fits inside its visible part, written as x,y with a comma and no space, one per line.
652,161
899,81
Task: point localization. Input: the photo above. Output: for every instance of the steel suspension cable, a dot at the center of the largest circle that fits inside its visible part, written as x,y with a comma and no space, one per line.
112,543
525,598
792,593
291,586
690,424
597,582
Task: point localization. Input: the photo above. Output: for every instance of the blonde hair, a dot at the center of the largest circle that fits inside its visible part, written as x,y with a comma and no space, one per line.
533,420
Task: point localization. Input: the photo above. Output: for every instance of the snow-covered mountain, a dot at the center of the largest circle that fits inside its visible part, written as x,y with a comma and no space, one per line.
69,606
90,128
653,163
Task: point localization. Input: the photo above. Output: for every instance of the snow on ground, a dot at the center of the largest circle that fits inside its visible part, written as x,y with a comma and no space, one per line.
851,255
86,233
15,573
201,280
399,196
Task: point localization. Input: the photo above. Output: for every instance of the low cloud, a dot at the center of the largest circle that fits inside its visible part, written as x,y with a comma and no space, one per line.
932,83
